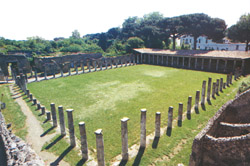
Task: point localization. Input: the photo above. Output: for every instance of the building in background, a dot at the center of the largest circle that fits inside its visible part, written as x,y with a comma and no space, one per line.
203,43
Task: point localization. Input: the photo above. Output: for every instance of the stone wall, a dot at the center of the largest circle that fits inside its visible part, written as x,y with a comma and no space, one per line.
16,152
226,138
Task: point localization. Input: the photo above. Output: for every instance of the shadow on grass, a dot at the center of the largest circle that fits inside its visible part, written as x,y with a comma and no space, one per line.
203,107
179,123
155,142
81,162
47,131
46,120
218,94
209,102
214,97
139,156
64,153
169,131
189,116
197,110
123,163
54,142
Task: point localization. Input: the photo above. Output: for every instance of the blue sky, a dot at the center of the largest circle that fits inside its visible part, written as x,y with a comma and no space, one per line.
58,18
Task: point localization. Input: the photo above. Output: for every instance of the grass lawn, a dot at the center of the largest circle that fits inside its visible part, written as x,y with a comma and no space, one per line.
101,99
13,113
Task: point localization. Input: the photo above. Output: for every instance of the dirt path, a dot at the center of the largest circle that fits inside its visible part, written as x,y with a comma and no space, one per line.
34,132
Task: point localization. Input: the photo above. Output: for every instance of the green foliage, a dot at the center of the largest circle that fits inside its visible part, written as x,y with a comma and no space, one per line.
241,30
72,48
134,42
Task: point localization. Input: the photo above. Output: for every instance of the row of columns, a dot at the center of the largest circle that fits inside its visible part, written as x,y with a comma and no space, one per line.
146,58
128,61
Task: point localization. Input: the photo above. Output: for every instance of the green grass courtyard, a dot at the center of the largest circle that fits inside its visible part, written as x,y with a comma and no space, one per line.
101,99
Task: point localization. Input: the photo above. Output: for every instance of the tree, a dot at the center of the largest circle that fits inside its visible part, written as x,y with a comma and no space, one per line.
130,27
134,42
172,27
241,30
201,24
76,34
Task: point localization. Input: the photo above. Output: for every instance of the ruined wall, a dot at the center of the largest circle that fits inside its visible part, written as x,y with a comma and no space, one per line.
15,151
226,138
20,60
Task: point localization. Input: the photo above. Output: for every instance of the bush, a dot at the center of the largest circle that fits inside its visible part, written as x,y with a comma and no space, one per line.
134,42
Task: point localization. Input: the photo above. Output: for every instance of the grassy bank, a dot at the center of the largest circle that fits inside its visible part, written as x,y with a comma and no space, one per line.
13,113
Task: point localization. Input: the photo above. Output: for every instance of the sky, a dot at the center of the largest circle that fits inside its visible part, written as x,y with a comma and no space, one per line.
59,18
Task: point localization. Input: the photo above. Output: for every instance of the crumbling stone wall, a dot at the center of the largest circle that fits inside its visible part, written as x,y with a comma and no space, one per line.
226,138
17,152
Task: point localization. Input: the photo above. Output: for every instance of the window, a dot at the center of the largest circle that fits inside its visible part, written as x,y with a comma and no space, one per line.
206,41
199,40
237,47
190,41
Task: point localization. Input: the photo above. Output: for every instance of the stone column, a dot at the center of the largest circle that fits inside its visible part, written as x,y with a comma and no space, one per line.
95,65
197,99
178,61
116,63
34,101
183,62
36,75
124,135
38,106
228,80
209,64
172,61
31,97
209,88
101,65
28,92
149,59
143,128
217,86
213,90
217,65
234,65
42,110
45,73
61,71
158,124
202,64
161,60
157,60
195,64
153,56
89,67
189,62
84,144
83,70
180,112
225,67
111,64
106,64
242,67
189,106
203,92
48,115
76,68
71,127
54,72
100,147
137,59
53,111
170,117
224,85
141,59
221,84
167,61
69,70
61,120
